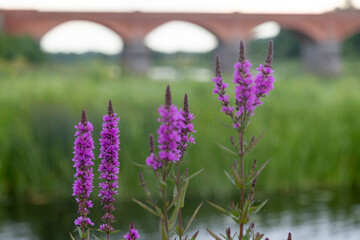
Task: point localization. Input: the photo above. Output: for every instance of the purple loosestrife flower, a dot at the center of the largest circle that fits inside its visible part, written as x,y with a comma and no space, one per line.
188,128
109,166
264,80
220,87
132,234
244,90
169,131
153,160
83,162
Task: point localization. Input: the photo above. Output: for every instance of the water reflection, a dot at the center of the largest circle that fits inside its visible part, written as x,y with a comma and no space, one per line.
320,216
166,73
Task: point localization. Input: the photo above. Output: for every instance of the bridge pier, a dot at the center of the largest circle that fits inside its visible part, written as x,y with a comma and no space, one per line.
322,58
136,56
229,55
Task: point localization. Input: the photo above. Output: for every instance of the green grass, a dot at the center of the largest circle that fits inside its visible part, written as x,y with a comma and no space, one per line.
312,128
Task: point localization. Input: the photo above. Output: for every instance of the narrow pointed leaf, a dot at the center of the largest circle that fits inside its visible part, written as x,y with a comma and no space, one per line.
222,123
193,217
79,231
183,192
147,208
219,208
72,236
213,234
238,182
262,168
140,165
228,150
179,195
230,178
259,207
196,173
253,144
173,217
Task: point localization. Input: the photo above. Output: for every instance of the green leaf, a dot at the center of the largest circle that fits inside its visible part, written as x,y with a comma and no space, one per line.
253,144
213,234
193,217
172,219
226,149
195,174
245,212
72,236
245,123
222,123
230,178
183,192
262,168
238,182
219,208
260,206
140,165
147,208
179,195
79,231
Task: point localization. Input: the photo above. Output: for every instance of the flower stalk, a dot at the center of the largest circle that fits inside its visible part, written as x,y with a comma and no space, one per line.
248,92
83,162
109,167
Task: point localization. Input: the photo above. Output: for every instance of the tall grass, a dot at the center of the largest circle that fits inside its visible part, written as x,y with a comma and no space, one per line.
312,128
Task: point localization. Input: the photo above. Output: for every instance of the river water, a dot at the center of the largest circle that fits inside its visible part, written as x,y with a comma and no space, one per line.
318,215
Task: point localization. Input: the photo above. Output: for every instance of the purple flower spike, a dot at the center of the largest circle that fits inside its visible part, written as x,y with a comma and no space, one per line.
264,80
132,234
109,166
220,87
83,162
169,132
243,91
187,129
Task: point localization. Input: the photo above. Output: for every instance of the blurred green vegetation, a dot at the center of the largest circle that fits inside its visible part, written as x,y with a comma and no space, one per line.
12,47
312,128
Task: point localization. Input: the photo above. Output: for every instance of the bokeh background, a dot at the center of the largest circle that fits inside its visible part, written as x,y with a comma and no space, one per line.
312,120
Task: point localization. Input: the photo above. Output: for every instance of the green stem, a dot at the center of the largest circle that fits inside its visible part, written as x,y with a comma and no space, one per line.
163,192
241,138
178,190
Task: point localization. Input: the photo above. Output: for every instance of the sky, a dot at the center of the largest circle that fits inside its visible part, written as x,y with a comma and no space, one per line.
170,37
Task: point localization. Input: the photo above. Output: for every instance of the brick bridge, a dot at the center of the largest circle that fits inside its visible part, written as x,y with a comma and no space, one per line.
321,35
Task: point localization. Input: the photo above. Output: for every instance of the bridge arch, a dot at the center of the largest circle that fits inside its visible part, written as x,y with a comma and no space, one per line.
81,36
199,39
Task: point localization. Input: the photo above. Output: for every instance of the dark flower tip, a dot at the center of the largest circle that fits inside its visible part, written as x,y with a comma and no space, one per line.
151,143
83,117
168,101
132,225
186,104
289,236
242,52
269,56
110,108
217,66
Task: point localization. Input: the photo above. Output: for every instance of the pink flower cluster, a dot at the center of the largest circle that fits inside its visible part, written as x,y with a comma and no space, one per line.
83,162
188,128
248,90
109,166
132,234
174,133
219,89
